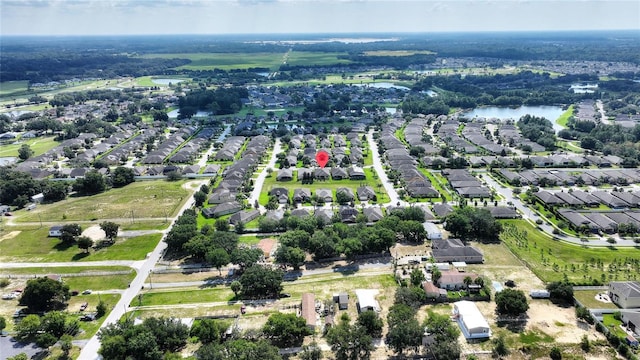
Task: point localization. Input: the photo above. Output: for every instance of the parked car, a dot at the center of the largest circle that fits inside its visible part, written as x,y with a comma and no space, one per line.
10,296
83,307
88,317
510,283
87,292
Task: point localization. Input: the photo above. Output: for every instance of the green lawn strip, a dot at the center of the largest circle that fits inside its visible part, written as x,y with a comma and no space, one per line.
100,282
588,299
35,245
252,239
39,146
141,199
225,61
10,87
185,312
144,225
306,58
437,183
153,297
62,270
564,118
540,246
613,325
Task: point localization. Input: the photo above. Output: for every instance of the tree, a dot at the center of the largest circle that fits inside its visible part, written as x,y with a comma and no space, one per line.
467,281
3,324
208,330
110,230
417,277
499,347
413,296
44,294
246,257
349,342
560,292
412,231
101,309
21,356
511,302
239,349
84,243
226,240
200,197
222,225
66,345
556,353
311,352
122,176
261,282
371,322
54,323
404,329
45,340
25,152
218,258
28,328
236,287
292,256
286,330
70,232
92,183
585,344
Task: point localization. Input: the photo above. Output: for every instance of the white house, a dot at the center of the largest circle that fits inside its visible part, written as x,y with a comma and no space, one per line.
55,231
471,321
367,299
432,230
625,294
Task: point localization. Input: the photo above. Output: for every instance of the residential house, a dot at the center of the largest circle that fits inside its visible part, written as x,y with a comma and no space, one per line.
454,279
326,215
625,294
367,300
284,175
347,193
308,310
356,173
268,247
373,213
225,208
432,291
221,195
631,319
301,195
451,250
322,173
366,193
348,214
282,194
300,213
55,231
338,173
471,321
325,195
244,216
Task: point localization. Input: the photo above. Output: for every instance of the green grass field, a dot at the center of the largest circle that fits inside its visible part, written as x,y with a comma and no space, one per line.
225,61
142,199
91,327
562,120
588,299
103,282
550,259
315,58
62,270
34,245
217,294
271,183
10,87
148,80
38,145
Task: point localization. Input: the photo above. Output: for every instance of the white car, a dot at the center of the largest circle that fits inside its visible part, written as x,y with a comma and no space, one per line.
9,296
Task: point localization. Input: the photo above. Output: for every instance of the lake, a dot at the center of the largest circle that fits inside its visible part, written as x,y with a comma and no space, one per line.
384,85
166,81
551,113
174,114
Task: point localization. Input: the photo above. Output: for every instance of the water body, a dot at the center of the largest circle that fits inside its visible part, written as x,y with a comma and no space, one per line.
174,114
166,81
384,85
551,113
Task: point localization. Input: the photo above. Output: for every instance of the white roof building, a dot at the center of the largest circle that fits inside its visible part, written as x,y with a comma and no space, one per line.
367,299
432,230
471,321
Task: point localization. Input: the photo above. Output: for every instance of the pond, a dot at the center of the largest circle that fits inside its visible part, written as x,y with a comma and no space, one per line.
384,85
551,113
166,81
174,114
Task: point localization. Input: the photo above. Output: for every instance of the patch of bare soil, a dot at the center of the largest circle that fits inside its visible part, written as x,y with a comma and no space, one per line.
94,232
9,235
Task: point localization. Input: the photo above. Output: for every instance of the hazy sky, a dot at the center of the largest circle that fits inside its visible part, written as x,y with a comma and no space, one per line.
109,17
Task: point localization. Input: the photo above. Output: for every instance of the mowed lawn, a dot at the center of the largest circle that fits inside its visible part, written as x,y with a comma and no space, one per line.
139,200
307,58
271,183
38,145
540,252
225,61
34,245
9,87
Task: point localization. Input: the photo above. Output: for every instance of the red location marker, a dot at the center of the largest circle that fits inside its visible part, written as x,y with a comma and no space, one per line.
322,157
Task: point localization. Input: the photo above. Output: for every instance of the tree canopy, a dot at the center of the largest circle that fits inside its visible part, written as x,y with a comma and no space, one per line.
44,294
473,223
286,330
511,302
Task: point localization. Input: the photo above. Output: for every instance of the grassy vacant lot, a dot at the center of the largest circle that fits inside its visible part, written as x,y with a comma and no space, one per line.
562,120
225,61
148,80
397,52
35,245
550,259
91,327
271,183
103,282
62,270
10,87
315,58
142,199
38,145
153,297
